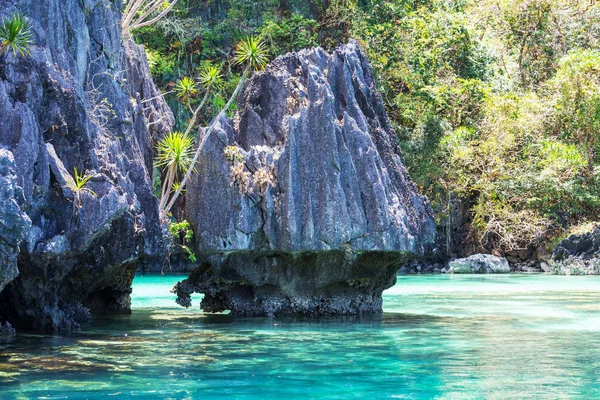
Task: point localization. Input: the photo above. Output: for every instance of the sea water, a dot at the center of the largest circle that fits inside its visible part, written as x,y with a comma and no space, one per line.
442,336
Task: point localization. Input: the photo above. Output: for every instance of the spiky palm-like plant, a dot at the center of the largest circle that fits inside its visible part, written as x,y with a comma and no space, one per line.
252,52
174,155
210,78
15,35
77,184
186,88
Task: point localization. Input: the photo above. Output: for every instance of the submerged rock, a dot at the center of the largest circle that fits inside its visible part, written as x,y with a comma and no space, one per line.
480,264
309,165
75,103
577,255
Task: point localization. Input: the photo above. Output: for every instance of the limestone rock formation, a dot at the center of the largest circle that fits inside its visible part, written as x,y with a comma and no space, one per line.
577,255
309,164
75,103
480,264
301,283
315,124
14,223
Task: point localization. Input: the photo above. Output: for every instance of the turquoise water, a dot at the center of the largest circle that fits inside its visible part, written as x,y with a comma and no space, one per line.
450,337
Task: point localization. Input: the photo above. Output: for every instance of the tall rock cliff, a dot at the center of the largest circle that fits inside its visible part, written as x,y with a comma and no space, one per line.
75,102
307,177
316,125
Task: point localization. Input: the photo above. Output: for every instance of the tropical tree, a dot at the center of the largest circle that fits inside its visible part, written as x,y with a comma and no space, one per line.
15,35
174,155
250,52
186,89
210,78
576,92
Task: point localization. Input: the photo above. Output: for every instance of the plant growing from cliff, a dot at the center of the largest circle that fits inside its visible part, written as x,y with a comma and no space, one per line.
240,177
232,154
253,53
263,178
77,184
174,155
210,78
184,231
100,110
15,35
140,13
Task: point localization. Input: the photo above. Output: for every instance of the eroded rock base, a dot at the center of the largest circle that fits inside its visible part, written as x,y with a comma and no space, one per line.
259,283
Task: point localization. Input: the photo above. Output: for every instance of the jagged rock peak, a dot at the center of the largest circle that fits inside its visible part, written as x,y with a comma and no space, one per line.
321,165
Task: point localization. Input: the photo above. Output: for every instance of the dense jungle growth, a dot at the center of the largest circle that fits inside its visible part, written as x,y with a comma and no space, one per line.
496,103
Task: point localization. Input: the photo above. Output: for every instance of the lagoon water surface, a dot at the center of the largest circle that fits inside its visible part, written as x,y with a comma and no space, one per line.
450,337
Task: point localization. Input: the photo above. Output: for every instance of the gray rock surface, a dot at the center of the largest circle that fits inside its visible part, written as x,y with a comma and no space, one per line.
278,283
14,223
480,264
315,122
577,255
319,171
75,103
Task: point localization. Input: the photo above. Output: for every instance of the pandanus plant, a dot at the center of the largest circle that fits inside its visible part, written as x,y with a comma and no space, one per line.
250,52
15,35
210,78
174,156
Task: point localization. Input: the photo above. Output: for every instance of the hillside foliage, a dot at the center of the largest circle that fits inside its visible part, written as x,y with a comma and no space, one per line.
496,102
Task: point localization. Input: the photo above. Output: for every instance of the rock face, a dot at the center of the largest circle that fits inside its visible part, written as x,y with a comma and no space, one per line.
14,223
75,103
312,166
304,283
480,264
577,255
315,123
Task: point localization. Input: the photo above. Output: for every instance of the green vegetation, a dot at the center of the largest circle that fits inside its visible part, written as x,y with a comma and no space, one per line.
174,156
496,103
249,51
183,231
77,184
186,88
15,35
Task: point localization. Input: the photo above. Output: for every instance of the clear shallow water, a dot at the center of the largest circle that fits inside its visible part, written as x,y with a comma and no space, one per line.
451,337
